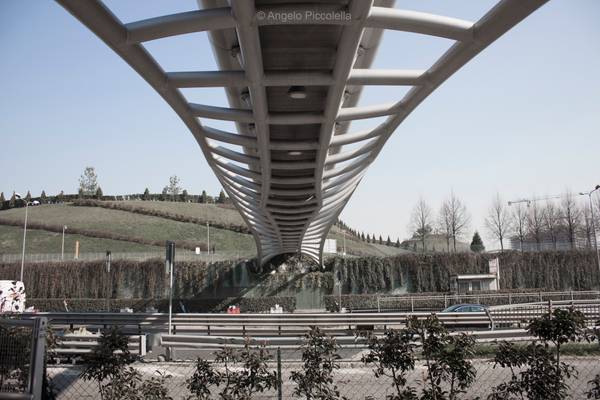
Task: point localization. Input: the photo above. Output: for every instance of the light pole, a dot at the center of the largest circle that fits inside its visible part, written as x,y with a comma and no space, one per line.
24,237
62,248
589,195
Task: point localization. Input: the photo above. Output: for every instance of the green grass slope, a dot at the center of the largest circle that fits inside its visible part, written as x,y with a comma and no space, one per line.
147,227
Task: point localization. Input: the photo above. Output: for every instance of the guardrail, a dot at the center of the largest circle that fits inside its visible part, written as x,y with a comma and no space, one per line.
263,325
424,303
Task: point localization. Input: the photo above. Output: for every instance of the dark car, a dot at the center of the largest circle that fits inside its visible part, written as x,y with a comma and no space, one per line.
465,308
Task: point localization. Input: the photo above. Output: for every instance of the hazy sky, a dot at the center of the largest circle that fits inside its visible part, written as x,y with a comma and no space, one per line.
523,118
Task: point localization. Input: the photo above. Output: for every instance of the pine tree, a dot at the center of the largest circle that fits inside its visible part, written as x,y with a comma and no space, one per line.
477,244
13,201
388,242
2,200
380,240
398,243
61,197
146,195
163,195
362,236
222,198
43,197
28,197
99,193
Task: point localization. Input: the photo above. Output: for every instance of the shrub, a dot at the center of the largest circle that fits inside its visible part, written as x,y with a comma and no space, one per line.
245,372
319,361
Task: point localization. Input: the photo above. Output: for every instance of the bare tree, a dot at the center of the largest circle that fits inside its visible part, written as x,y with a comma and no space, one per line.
458,217
498,220
519,221
587,226
552,217
535,223
571,214
421,222
444,226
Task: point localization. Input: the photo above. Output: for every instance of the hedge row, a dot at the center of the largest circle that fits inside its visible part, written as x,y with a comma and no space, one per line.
127,279
551,270
186,244
246,304
161,214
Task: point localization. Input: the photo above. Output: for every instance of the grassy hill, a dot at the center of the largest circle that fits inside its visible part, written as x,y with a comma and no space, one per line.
97,227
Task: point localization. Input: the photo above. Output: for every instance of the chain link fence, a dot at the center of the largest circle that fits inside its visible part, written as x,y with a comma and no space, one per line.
354,380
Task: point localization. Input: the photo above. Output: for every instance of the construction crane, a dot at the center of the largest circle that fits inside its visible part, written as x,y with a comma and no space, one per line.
529,201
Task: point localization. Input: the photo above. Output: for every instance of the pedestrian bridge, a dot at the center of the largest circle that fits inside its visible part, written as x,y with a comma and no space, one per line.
293,73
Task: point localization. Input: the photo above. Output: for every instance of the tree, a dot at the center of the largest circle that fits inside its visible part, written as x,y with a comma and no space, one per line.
444,224
203,197
477,244
146,195
388,242
28,197
88,182
571,214
458,217
163,194
173,189
519,219
222,198
13,201
552,219
421,222
43,197
61,197
498,220
185,196
2,200
99,193
398,242
535,223
588,227
380,240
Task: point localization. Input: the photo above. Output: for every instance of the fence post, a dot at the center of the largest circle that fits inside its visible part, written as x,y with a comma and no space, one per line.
445,301
412,304
540,293
509,298
550,306
279,380
378,305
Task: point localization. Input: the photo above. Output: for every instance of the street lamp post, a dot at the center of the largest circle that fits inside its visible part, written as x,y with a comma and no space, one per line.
62,248
24,237
589,194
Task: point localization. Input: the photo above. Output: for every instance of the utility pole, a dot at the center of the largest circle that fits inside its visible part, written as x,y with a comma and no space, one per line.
169,261
24,237
589,194
62,248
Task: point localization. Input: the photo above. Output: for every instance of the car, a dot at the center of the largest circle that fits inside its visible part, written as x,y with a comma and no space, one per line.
465,308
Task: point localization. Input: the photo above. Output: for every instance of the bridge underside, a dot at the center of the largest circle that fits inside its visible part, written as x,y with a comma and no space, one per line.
293,73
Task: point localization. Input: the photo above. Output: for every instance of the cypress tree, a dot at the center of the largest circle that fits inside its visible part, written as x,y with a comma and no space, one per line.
28,197
388,242
2,201
184,196
380,240
398,242
43,197
477,244
13,201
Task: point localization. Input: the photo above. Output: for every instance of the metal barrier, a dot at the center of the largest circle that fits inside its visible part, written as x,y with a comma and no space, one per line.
22,348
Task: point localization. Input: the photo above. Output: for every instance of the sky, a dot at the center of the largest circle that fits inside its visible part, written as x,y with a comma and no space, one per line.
522,119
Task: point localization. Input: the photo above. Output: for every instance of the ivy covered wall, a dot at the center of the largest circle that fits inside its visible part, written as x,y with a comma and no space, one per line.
560,270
